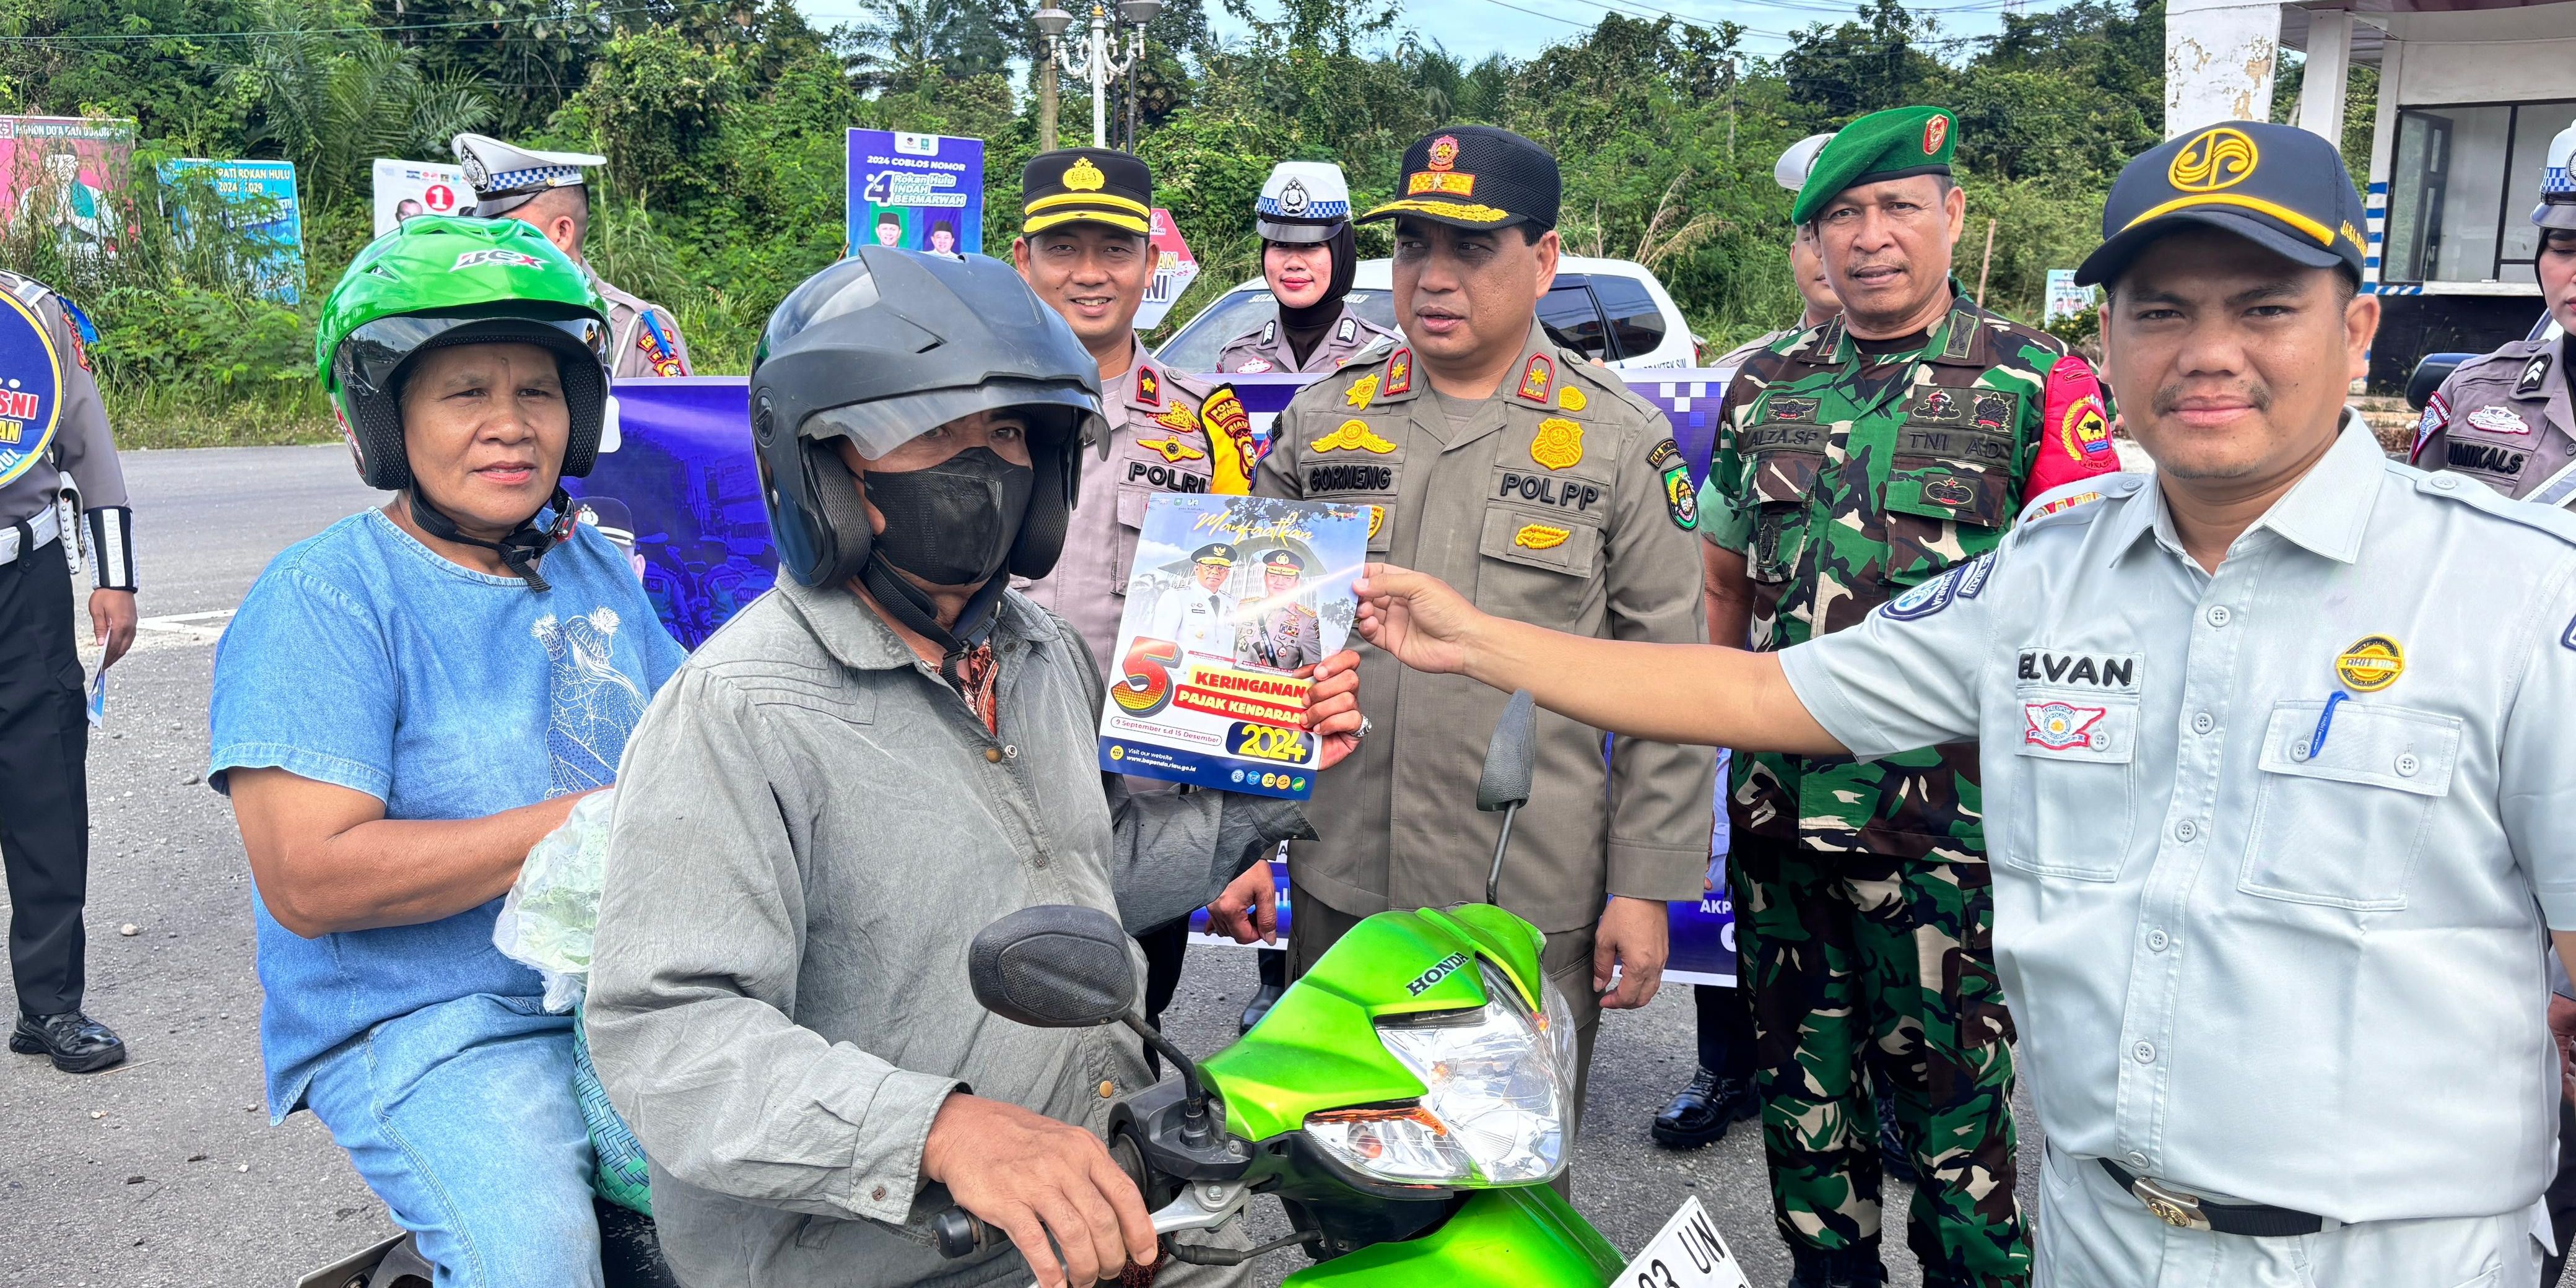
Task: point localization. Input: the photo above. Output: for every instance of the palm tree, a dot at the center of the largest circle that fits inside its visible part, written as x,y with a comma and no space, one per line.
333,101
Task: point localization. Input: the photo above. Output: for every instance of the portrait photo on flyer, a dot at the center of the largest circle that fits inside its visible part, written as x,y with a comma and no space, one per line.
1233,601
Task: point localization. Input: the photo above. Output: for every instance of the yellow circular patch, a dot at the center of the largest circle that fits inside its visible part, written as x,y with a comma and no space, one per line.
1559,443
1571,398
1117,752
2372,663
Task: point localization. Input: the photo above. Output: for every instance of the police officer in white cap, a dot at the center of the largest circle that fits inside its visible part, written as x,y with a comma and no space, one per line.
547,189
1307,257
2504,419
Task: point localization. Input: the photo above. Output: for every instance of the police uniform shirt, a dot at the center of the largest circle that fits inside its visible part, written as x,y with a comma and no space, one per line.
1286,638
647,341
1561,501
2244,961
2503,419
1266,347
82,448
1156,444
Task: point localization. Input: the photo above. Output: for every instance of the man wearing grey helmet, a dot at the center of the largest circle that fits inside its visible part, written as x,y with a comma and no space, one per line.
1308,256
548,190
867,766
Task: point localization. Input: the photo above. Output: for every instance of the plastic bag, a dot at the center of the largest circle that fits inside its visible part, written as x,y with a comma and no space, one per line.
553,907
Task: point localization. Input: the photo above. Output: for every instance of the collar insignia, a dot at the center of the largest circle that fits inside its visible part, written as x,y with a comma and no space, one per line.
1536,377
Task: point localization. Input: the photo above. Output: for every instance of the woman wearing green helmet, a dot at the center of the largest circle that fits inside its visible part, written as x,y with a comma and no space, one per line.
409,701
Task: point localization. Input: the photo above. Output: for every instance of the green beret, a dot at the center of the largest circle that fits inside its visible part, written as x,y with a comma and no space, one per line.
1898,143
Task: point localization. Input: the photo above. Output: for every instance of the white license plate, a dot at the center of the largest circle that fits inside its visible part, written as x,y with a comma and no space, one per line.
1687,1253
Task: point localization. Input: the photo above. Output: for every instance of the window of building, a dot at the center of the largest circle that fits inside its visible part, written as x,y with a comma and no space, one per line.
2460,191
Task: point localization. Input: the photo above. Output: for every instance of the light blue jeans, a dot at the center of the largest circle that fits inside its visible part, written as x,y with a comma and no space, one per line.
461,1117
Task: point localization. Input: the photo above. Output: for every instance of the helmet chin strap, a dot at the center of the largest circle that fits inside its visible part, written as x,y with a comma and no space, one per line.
519,551
911,606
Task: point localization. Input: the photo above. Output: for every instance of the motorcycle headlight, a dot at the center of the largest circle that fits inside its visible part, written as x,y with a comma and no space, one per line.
1496,1085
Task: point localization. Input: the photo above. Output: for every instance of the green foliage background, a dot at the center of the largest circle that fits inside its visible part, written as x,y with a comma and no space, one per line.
722,122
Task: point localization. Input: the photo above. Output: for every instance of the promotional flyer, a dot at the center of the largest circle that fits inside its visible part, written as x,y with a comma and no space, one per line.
916,191
1230,598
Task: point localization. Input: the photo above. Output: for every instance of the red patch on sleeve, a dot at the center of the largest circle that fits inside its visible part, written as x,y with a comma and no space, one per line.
2075,430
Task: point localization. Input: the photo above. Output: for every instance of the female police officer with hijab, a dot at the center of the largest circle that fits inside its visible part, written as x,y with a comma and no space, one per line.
865,767
1308,256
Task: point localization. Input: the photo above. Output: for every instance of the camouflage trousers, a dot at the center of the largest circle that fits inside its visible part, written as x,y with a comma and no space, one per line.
1859,960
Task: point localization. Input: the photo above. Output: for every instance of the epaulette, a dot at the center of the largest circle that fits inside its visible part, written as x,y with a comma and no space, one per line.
2556,522
2078,500
1375,349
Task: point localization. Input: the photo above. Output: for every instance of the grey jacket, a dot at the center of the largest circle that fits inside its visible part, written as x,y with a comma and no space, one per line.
810,826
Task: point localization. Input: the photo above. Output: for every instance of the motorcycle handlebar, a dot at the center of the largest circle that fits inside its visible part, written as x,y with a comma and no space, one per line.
958,1233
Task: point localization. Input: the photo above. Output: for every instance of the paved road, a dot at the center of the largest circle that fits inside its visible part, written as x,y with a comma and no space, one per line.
166,1171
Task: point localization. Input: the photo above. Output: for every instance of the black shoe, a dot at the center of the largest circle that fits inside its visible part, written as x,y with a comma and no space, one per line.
1263,998
77,1043
1840,1268
1895,1161
1701,1112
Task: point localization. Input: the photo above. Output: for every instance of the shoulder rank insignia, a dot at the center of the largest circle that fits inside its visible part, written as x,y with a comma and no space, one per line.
1361,391
1179,417
1352,436
1540,536
2527,385
1399,372
1571,398
657,348
1269,332
1350,327
1536,377
1149,387
1559,443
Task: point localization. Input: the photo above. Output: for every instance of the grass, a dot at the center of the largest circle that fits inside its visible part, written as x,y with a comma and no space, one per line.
165,420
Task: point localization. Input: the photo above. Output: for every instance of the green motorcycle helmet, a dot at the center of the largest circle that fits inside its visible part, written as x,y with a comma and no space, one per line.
442,280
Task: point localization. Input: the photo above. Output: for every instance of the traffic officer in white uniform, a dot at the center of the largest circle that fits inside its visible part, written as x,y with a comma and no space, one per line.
61,489
1308,256
2278,770
547,189
2504,418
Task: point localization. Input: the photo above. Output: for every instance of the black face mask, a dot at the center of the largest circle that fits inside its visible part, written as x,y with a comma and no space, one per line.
954,523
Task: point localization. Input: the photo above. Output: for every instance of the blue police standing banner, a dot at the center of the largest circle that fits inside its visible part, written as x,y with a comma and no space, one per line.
916,191
682,493
31,385
258,199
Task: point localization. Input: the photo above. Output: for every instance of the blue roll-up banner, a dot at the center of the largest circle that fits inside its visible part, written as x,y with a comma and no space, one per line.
685,484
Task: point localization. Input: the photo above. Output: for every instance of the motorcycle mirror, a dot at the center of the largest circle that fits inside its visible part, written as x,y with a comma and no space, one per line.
1510,756
1053,966
2430,372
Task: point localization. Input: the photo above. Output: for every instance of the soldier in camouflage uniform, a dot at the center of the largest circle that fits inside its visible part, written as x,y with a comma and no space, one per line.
1856,459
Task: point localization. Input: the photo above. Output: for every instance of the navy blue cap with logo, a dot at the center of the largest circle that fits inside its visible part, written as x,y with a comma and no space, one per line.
2278,186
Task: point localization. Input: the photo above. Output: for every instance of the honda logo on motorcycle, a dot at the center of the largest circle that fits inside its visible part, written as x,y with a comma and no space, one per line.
1439,971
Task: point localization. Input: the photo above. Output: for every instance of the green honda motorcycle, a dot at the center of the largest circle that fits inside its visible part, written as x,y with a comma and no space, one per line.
1406,1101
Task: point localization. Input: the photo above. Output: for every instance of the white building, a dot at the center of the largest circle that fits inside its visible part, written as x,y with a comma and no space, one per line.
2470,92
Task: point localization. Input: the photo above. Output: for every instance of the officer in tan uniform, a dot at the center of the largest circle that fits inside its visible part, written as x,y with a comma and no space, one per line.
62,497
2504,419
1083,247
1286,634
1539,482
1308,257
546,189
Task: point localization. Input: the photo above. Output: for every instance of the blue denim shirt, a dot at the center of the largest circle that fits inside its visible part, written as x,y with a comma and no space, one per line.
363,659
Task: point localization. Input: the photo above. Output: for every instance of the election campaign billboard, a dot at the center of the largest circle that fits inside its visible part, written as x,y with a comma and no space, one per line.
407,188
259,200
1174,269
68,172
916,191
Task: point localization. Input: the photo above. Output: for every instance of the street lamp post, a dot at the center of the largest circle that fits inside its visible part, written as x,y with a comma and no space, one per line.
1098,60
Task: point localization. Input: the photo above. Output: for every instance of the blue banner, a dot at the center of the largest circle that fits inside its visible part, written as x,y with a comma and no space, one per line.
916,191
686,485
259,199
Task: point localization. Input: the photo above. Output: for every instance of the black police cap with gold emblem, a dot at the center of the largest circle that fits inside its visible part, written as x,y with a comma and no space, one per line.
1476,176
1086,186
2277,186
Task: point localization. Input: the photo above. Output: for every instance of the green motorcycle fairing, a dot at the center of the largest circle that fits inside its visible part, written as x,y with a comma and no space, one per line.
1522,1235
1318,1048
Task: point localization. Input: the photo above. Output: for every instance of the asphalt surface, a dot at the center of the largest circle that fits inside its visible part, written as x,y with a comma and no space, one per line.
165,1171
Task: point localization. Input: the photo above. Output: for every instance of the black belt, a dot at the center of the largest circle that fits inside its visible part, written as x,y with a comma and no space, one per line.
2173,1207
